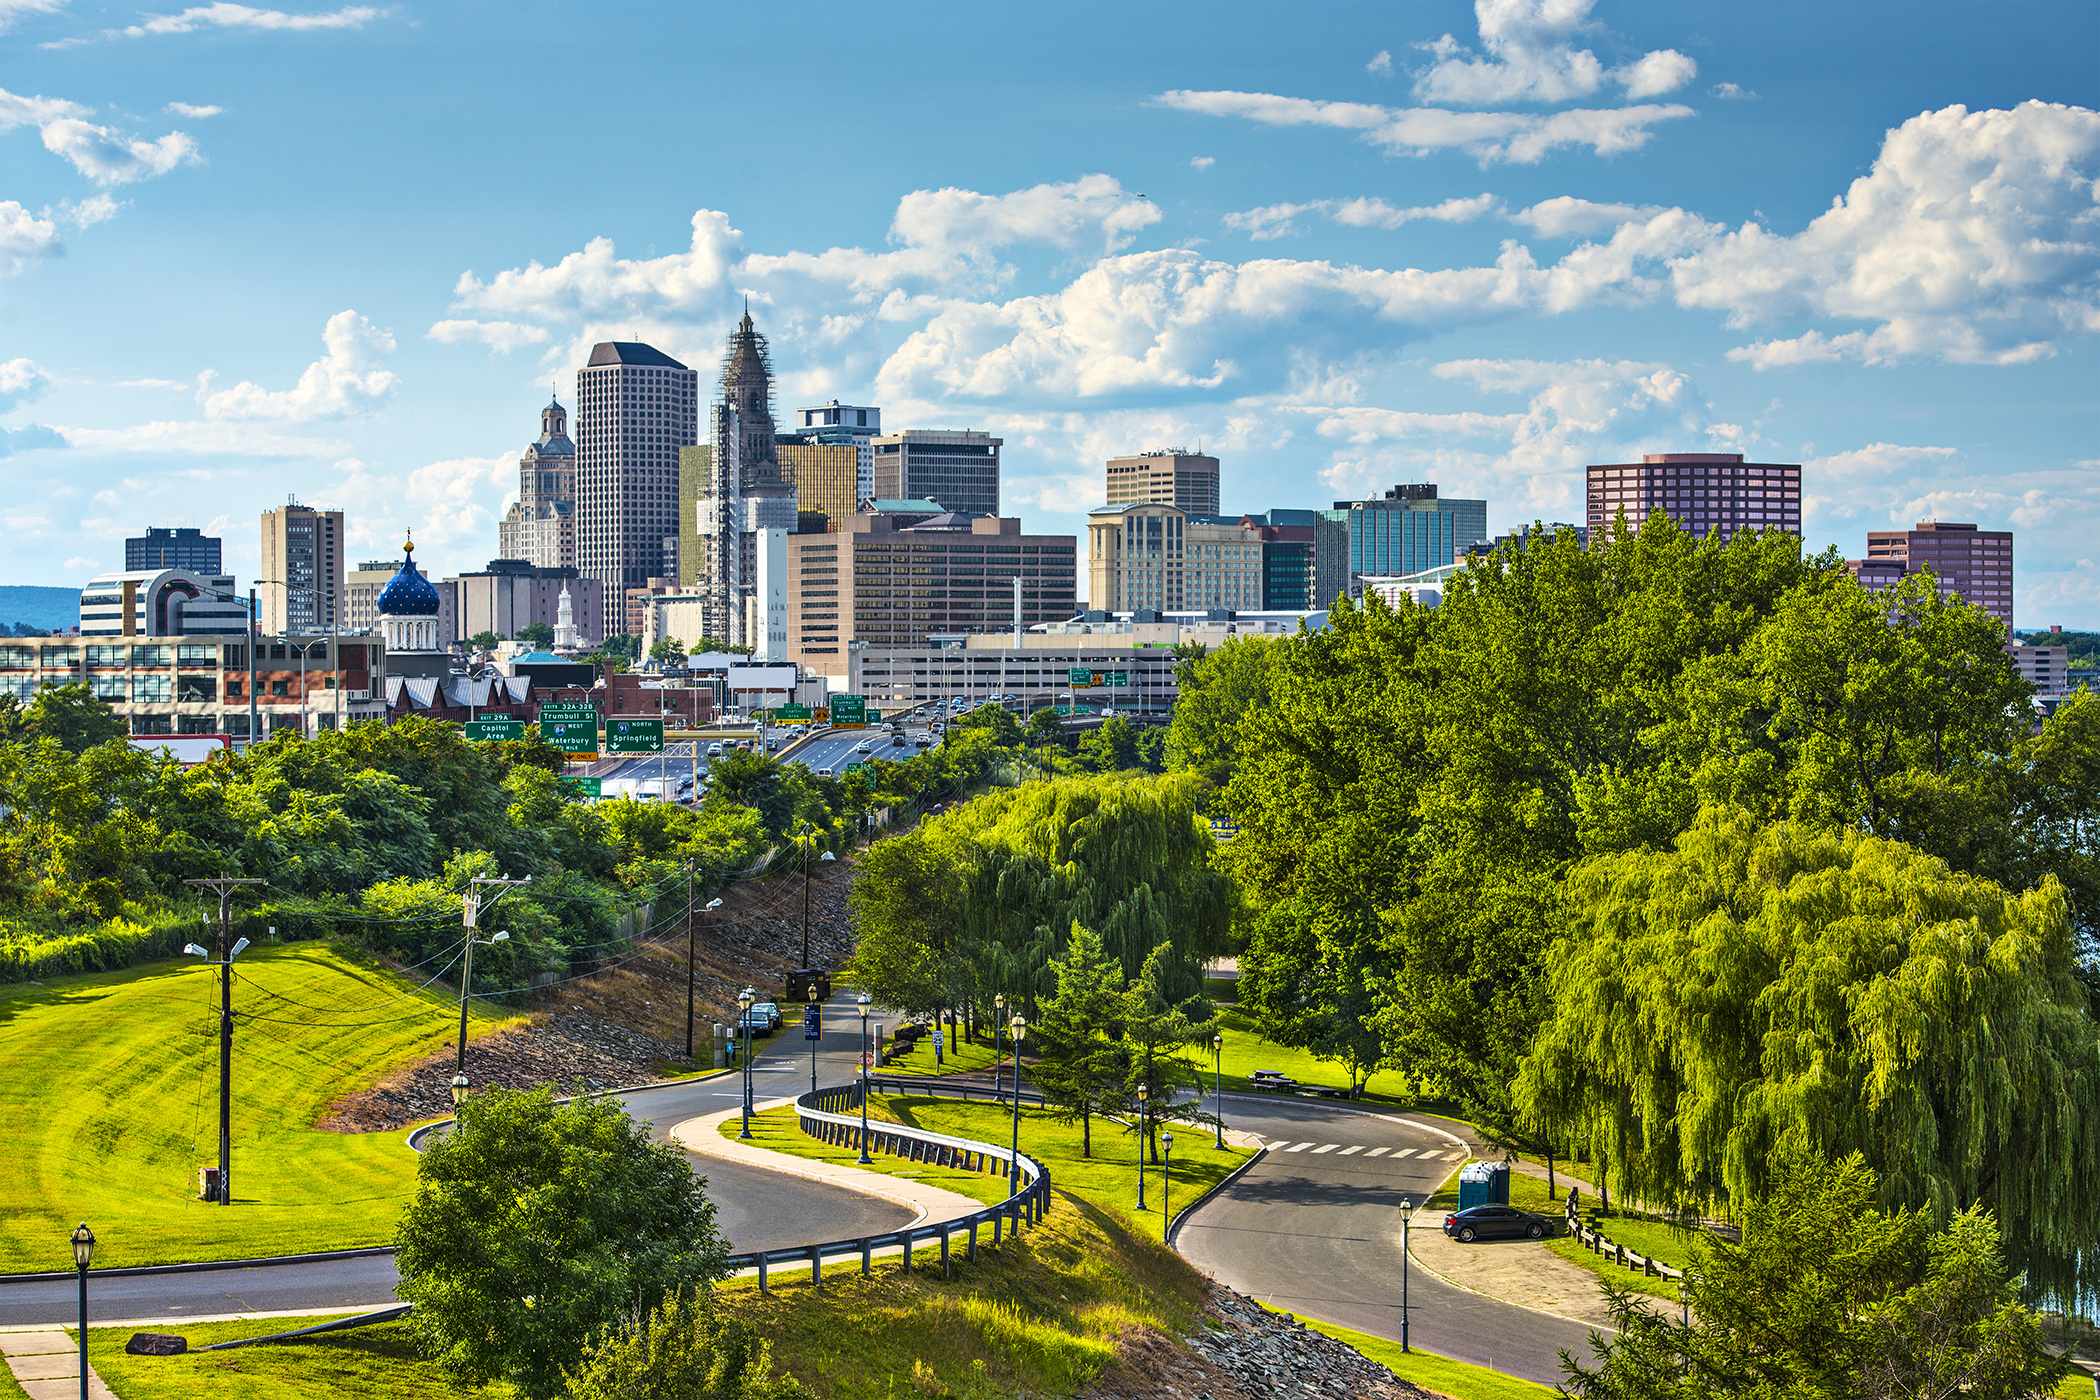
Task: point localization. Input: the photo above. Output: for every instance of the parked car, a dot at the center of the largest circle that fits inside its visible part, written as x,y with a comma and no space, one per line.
755,1022
1270,1079
771,1010
1496,1223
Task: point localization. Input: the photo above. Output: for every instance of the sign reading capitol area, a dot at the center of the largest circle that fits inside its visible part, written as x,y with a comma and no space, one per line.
502,727
791,714
634,736
849,712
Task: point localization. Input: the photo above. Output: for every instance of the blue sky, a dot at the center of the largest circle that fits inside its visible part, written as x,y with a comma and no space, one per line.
342,252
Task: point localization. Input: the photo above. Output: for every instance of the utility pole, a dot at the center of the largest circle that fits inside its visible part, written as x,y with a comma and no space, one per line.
224,888
254,640
469,915
692,950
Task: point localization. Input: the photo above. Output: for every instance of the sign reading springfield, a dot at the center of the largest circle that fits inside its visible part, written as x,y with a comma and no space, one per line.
849,712
634,736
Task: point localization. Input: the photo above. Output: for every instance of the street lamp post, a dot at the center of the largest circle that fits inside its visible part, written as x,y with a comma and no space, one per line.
83,1252
1144,1093
1217,1081
459,1065
1019,1026
459,1091
863,1002
1407,1212
998,1030
1166,1178
743,1001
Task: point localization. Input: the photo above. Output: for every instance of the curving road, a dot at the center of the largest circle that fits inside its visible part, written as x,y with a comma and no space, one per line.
754,1208
1314,1227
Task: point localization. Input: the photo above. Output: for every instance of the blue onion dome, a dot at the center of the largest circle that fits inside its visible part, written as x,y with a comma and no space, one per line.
408,593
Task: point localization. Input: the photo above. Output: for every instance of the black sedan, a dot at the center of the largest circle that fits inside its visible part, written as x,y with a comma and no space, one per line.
1496,1223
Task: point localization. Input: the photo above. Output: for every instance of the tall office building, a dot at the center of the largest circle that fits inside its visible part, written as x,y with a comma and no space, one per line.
1171,476
158,548
1329,553
635,408
361,594
851,424
302,582
1410,528
1704,492
1968,563
1161,556
959,469
540,527
825,477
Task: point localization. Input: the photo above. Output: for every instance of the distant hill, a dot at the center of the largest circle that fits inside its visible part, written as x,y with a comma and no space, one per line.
44,608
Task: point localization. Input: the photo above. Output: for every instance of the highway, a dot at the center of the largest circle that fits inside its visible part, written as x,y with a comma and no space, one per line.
754,1208
1315,1228
832,749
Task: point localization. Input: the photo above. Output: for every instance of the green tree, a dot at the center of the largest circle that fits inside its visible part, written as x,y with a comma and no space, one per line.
909,955
1045,727
485,640
1157,1033
760,782
1152,748
1111,748
1828,1299
1081,1063
69,715
995,720
1829,992
539,634
1216,692
536,1225
669,651
687,1349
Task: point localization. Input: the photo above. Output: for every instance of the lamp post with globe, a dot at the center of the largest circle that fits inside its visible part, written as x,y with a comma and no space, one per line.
1019,1025
83,1252
864,1001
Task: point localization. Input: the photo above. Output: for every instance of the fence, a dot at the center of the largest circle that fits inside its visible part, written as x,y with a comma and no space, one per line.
831,1116
1597,1242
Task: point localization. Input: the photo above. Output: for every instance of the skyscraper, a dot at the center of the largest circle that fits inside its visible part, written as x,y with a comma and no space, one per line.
540,527
732,485
1702,491
1171,476
1967,562
958,468
635,408
159,548
837,422
301,585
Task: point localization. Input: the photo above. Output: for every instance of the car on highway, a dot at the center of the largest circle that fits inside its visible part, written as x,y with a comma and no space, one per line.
898,741
921,741
714,750
826,773
772,746
864,746
1496,1223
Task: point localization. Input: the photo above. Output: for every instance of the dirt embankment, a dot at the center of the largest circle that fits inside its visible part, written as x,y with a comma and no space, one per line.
624,1023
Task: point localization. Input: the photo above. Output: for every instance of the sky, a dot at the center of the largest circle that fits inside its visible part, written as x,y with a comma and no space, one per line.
341,254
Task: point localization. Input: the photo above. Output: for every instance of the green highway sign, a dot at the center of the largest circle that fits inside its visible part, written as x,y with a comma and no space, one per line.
634,736
569,735
853,765
1121,678
585,787
499,728
1078,675
874,716
792,714
848,711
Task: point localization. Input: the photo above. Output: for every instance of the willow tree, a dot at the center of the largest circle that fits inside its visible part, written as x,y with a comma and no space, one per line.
1779,989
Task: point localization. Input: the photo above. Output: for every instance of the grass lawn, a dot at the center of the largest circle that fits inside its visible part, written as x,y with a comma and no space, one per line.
370,1363
776,1129
1453,1378
109,1107
1246,1051
967,1055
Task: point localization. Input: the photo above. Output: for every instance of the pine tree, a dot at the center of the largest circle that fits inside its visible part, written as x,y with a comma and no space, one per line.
1157,1033
1082,1066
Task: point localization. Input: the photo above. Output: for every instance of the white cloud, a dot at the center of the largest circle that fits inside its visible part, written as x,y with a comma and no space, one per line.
1878,459
88,212
1488,136
24,238
1087,212
500,336
1278,220
1381,66
1567,216
1974,238
17,111
457,500
81,563
21,381
185,109
12,10
1532,58
346,380
1731,92
230,16
1202,162
213,439
108,158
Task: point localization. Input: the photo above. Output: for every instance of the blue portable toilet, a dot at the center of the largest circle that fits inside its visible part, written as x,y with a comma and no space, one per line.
1483,1184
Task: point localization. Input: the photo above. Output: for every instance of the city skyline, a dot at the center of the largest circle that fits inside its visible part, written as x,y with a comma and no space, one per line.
1400,248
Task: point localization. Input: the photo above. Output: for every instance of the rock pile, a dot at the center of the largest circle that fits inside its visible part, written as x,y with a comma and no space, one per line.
1253,1354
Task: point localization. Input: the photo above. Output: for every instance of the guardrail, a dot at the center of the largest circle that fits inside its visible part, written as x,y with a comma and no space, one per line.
930,1085
823,1115
1597,1242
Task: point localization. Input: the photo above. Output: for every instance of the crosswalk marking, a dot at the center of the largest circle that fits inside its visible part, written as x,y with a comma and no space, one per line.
1328,1148
1375,1152
1454,1156
1299,1148
1347,1150
1405,1152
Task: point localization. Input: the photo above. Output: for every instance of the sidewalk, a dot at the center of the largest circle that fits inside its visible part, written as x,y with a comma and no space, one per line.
46,1364
932,1204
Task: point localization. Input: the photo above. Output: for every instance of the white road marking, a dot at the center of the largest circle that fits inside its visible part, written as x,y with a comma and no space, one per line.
1328,1148
1405,1152
1376,1152
1347,1150
1454,1156
1299,1148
